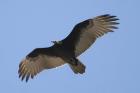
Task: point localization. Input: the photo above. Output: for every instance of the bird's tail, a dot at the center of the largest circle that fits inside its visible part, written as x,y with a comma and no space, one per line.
78,68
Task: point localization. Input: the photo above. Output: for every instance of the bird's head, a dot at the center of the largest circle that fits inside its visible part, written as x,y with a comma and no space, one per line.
56,42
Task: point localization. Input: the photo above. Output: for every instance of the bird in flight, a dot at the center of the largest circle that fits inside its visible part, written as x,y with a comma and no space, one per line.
66,51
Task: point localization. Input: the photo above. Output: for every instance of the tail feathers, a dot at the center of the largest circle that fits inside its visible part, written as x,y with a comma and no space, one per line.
79,68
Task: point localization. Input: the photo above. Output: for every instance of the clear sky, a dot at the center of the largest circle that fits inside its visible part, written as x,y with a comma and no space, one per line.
112,63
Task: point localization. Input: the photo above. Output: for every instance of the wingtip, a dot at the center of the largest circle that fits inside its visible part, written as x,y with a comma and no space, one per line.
109,16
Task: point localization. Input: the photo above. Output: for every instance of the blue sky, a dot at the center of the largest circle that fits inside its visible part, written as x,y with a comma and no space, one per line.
113,62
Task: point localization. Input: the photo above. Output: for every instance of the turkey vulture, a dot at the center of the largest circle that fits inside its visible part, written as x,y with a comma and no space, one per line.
66,51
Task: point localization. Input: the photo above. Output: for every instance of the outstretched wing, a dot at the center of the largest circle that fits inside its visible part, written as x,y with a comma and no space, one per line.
85,33
30,66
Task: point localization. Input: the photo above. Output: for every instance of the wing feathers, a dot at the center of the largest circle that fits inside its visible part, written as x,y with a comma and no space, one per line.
97,27
30,66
